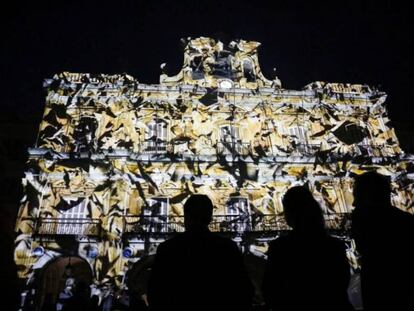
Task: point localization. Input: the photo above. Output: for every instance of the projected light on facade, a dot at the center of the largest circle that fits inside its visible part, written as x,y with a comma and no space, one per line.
116,159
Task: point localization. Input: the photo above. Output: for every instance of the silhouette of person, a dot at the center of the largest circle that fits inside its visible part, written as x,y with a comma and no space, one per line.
197,269
94,303
136,303
48,303
80,299
306,269
384,238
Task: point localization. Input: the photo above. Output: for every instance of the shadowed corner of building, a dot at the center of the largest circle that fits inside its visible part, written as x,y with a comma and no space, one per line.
9,283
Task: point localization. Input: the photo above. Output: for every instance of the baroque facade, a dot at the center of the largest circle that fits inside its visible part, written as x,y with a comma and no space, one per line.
116,159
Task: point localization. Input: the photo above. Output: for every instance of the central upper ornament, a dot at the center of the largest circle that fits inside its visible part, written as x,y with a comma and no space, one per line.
209,63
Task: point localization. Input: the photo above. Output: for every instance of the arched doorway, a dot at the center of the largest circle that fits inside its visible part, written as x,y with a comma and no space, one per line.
58,274
137,281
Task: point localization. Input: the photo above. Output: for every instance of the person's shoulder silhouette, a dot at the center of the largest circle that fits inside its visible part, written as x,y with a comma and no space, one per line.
374,213
197,269
373,207
80,299
306,267
384,237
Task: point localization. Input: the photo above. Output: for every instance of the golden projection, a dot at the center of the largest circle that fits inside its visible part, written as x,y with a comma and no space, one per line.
115,159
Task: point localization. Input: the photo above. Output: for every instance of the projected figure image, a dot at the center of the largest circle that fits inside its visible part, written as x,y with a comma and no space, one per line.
198,270
307,267
384,237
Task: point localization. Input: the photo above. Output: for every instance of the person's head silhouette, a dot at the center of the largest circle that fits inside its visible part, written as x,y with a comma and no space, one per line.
302,211
372,190
81,288
198,210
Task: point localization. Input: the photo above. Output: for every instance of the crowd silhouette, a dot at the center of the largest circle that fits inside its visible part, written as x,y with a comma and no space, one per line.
306,269
199,270
384,237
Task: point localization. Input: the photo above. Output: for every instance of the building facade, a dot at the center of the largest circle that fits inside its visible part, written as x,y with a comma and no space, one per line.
116,159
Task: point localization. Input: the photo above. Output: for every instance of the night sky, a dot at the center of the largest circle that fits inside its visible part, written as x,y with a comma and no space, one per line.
344,41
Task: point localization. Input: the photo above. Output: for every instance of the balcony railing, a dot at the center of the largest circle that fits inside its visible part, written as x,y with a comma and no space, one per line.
238,148
152,147
375,150
234,148
244,148
153,224
68,226
339,222
306,149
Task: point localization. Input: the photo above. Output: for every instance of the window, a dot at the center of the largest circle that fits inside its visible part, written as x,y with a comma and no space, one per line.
156,215
72,221
229,133
156,136
299,135
237,206
84,133
238,213
230,141
157,207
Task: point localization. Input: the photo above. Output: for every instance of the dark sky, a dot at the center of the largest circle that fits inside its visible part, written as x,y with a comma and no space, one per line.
347,41
344,41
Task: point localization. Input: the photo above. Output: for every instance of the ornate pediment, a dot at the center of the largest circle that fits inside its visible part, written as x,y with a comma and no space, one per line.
211,63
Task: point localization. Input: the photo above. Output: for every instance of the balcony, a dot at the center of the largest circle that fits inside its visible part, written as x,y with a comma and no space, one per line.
237,224
152,147
68,226
306,149
235,148
338,222
375,151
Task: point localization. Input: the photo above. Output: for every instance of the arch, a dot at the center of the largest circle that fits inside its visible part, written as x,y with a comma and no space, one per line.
51,279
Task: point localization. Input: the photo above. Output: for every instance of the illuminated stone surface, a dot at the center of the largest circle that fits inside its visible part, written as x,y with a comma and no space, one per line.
115,159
